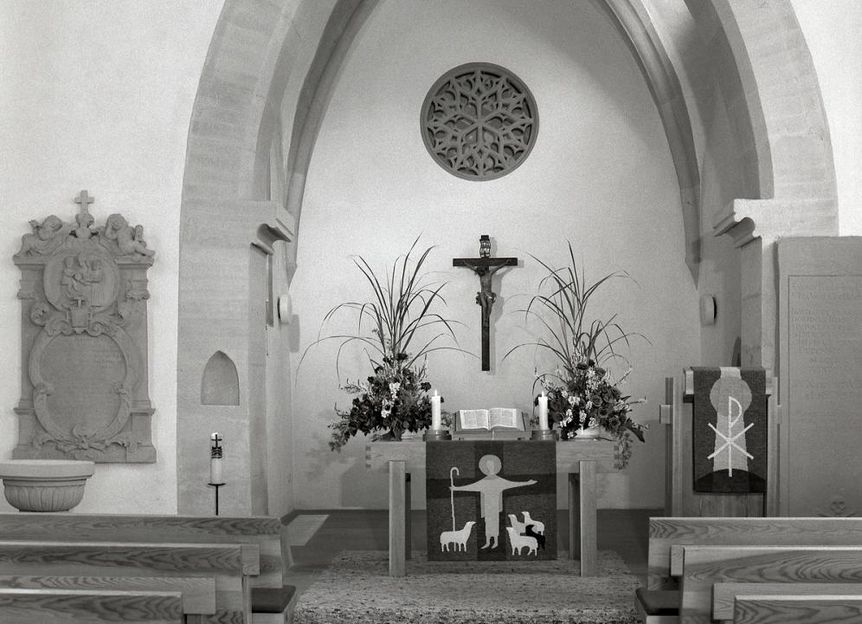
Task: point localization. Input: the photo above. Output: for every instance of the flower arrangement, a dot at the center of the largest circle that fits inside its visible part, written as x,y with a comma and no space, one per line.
399,315
590,398
581,392
394,399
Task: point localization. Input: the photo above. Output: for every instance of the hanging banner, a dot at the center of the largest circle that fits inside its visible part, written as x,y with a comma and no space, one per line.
729,433
491,501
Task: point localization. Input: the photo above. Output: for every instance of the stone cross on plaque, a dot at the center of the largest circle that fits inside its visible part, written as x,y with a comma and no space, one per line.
485,266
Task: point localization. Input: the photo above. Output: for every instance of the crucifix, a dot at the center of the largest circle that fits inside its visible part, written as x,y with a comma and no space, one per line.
485,266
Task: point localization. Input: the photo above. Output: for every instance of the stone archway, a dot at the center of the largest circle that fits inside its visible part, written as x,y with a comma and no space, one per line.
242,188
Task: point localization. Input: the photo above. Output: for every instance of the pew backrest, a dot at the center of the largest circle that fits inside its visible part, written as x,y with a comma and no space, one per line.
57,606
230,564
811,609
724,595
265,531
704,566
664,533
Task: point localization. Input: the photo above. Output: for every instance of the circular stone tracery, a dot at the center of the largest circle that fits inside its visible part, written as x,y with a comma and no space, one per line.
479,121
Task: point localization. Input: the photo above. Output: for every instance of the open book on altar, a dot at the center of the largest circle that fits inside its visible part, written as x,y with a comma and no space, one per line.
497,423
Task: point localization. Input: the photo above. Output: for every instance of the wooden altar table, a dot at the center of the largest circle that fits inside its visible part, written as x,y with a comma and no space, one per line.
580,460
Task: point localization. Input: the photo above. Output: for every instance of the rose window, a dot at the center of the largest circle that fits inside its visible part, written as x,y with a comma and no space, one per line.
479,121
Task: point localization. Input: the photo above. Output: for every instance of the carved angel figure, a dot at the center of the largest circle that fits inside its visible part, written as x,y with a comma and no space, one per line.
129,239
45,237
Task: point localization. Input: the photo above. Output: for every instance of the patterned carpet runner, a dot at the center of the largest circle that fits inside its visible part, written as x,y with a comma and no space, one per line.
357,588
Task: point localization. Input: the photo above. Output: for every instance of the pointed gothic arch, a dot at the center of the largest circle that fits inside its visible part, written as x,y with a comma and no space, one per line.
266,58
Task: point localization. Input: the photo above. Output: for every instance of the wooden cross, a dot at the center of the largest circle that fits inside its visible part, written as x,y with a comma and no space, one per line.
485,266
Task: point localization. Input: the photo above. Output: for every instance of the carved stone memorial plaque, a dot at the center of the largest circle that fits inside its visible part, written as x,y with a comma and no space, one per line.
820,314
84,390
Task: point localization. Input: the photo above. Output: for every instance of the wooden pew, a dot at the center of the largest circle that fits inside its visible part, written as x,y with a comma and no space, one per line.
665,532
783,609
724,595
198,593
704,566
658,603
269,592
58,606
228,564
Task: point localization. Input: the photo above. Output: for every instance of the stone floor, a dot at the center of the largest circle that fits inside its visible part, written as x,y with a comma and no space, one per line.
621,530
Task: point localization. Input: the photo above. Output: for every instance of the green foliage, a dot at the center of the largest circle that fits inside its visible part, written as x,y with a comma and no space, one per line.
399,326
394,399
561,307
579,389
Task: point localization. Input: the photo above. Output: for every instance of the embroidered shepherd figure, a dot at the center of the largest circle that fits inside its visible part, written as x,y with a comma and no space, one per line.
491,488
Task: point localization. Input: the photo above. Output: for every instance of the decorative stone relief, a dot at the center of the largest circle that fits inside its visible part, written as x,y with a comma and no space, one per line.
479,121
84,387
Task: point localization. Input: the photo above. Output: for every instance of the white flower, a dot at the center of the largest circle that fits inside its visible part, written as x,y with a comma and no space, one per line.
394,386
589,405
564,392
573,400
593,422
583,416
569,413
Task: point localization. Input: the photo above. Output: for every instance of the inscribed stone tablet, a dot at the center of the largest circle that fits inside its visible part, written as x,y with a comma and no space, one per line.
824,389
85,372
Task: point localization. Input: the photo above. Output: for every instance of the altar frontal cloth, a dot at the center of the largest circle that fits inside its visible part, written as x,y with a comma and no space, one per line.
491,500
729,430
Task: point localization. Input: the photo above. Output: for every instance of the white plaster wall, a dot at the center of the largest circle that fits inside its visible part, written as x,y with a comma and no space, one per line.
98,95
600,175
832,32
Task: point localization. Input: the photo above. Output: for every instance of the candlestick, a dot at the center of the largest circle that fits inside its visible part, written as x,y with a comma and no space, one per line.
436,419
543,412
216,459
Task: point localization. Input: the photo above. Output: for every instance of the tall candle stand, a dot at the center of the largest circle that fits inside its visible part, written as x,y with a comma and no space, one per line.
216,457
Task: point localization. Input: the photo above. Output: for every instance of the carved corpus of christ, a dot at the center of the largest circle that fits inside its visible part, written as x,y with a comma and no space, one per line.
485,266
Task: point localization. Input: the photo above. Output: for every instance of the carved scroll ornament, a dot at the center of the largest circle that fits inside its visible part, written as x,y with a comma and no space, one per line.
84,340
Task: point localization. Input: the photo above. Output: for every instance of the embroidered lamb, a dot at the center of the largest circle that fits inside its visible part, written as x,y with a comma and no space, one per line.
520,542
538,527
516,524
459,538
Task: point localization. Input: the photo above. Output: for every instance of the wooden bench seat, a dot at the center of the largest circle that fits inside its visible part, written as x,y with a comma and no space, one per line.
229,564
802,609
666,535
724,595
58,606
198,593
268,533
704,566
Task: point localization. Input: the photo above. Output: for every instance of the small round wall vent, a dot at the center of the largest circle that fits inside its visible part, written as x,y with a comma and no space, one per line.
479,121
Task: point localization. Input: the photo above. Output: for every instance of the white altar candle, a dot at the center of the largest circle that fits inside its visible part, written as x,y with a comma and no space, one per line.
436,421
543,412
216,459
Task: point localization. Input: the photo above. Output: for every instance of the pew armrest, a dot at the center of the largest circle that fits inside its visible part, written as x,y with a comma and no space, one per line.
271,599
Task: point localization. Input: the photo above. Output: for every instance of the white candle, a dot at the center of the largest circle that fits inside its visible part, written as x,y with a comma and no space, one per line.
216,470
216,459
543,412
436,421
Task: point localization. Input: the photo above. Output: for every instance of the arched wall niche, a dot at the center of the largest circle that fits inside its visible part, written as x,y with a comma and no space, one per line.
220,381
268,59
